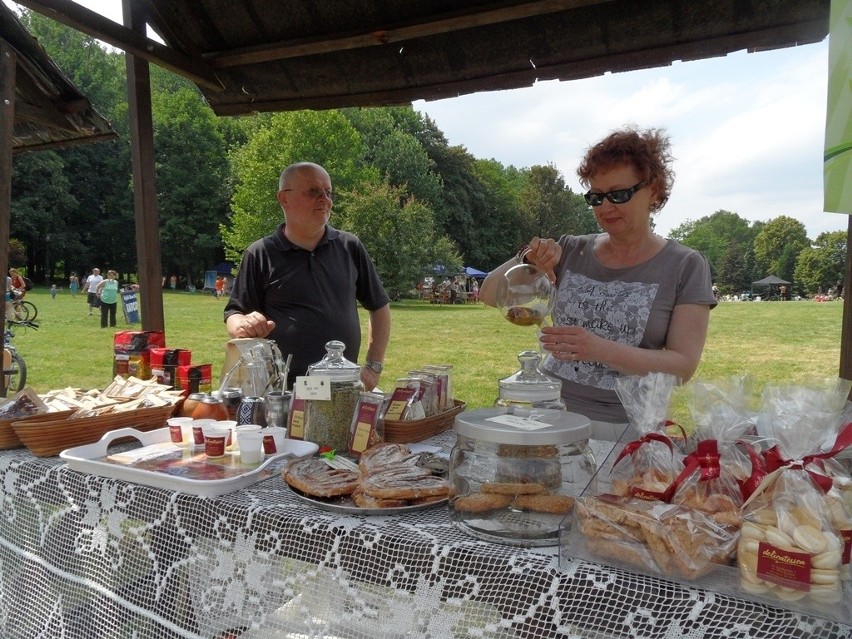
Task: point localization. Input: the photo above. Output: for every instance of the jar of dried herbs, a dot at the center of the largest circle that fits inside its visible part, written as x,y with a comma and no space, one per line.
327,420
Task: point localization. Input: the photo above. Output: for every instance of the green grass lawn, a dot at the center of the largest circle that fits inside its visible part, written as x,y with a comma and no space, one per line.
774,342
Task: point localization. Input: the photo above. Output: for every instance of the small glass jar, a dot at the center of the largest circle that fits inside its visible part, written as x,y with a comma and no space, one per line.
327,421
514,478
529,387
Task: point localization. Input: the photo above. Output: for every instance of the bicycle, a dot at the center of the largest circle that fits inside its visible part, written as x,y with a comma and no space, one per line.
25,310
14,366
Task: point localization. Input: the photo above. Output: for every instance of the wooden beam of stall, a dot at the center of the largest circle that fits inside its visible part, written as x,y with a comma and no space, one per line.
477,16
8,65
144,181
133,42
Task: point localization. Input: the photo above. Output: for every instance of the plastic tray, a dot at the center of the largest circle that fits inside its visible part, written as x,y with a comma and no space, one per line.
161,464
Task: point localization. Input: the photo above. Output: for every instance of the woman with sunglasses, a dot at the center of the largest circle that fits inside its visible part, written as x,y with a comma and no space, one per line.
628,302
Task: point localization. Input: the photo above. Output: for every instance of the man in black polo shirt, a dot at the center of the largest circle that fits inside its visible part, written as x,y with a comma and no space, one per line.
300,286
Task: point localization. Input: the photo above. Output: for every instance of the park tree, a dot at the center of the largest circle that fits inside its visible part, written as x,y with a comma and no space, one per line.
500,230
822,266
776,244
396,153
399,233
715,236
324,137
193,183
548,208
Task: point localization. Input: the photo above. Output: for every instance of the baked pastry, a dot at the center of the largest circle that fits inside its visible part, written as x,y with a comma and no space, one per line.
404,482
313,476
512,488
551,504
362,500
481,502
385,455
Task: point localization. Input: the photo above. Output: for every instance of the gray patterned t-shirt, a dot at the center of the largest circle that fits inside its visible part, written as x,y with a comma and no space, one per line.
632,305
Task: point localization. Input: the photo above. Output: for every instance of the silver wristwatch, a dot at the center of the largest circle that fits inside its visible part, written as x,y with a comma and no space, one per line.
374,366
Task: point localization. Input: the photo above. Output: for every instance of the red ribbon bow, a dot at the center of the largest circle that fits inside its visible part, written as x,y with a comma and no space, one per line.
774,460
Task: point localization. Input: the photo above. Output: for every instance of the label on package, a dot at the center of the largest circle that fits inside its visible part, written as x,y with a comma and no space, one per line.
296,423
316,387
786,568
519,421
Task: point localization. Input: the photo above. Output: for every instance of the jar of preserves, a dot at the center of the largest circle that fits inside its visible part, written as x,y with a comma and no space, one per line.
514,478
530,387
327,420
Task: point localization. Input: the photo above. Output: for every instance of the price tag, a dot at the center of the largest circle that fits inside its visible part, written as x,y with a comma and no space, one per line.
524,423
316,387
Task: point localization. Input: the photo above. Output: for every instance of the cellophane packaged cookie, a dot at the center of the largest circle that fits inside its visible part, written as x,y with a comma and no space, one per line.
646,468
717,467
790,546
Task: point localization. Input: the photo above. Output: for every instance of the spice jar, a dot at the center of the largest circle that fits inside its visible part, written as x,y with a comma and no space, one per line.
529,387
327,420
210,407
514,477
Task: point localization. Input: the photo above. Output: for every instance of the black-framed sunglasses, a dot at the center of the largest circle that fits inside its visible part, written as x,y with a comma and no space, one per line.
618,196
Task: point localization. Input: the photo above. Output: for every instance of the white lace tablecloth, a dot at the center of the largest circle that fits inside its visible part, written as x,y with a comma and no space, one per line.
87,557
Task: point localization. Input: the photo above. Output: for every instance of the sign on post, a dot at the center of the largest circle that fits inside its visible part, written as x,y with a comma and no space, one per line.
130,304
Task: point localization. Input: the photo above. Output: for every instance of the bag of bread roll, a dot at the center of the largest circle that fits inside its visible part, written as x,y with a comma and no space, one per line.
646,468
790,546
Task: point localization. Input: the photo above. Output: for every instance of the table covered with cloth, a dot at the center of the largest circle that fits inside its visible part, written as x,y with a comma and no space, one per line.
83,556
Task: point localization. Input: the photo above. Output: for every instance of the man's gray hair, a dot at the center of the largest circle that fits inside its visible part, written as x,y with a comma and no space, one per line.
294,168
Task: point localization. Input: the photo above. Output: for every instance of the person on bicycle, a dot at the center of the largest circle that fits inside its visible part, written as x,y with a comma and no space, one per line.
18,285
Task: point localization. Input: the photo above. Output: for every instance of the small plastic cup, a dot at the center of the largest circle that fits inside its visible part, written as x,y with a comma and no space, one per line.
251,447
180,431
273,439
198,430
215,440
230,424
244,428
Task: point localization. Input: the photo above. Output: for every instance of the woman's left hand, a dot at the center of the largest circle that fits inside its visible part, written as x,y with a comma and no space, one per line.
570,343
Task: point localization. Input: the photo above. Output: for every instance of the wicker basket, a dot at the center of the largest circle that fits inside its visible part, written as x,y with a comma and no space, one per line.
404,431
50,437
8,437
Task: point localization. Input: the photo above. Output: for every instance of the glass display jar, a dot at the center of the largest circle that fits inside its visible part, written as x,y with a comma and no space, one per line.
529,387
327,421
515,478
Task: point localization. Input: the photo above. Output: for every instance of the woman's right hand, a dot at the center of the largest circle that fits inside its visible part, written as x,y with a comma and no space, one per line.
545,254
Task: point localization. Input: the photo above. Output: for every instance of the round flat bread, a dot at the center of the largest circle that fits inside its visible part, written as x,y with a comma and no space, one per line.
384,455
403,482
313,476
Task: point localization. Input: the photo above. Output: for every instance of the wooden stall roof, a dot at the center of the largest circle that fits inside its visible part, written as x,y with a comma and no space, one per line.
49,110
278,55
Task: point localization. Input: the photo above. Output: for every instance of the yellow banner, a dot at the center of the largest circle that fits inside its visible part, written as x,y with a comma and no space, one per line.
838,122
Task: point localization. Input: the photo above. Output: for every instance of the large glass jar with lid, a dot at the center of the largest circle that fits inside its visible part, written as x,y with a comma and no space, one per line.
529,387
514,478
327,420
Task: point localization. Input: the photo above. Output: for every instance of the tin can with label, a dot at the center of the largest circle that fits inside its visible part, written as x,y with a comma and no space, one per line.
252,410
231,396
277,408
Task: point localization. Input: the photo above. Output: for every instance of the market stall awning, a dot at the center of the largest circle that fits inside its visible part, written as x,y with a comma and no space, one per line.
771,280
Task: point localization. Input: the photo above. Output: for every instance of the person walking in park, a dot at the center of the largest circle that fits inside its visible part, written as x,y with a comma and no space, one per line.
73,284
90,287
107,291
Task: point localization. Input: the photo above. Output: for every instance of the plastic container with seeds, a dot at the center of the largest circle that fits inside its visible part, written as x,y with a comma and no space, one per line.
529,387
327,421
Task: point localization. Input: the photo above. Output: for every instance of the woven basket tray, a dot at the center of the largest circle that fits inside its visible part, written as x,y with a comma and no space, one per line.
405,431
8,437
51,437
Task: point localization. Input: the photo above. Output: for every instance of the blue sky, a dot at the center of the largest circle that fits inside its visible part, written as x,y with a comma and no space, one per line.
747,129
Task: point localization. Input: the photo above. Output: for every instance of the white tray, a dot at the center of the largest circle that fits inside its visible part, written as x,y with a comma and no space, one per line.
161,464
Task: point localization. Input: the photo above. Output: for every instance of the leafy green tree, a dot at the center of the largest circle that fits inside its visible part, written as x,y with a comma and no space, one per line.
550,209
399,233
776,245
396,153
193,183
324,137
714,236
734,274
823,265
500,231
